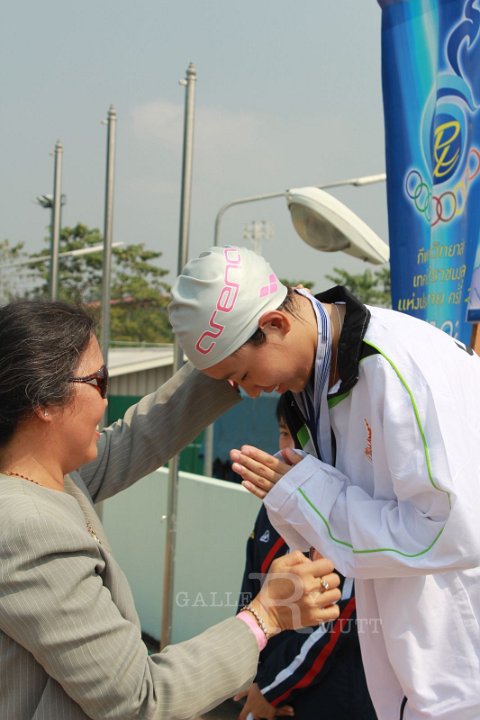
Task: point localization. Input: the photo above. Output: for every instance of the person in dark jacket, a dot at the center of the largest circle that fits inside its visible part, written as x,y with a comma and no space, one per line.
315,671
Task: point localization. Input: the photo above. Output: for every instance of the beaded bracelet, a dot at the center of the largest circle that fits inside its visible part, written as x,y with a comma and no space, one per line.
260,620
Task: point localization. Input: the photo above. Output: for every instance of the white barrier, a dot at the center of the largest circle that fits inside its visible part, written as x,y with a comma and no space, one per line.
214,521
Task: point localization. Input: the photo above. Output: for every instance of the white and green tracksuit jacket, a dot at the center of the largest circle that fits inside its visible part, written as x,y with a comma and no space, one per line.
400,511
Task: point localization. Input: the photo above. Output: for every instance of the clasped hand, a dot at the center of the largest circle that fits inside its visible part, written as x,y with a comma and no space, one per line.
298,592
260,470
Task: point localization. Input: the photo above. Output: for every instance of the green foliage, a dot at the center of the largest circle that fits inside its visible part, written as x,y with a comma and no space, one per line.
308,284
13,278
80,277
139,295
372,288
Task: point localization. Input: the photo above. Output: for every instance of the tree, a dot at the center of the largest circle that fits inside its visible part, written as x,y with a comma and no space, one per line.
139,295
372,288
14,277
308,284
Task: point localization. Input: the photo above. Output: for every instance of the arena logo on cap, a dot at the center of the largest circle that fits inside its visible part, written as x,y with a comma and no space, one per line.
271,288
225,303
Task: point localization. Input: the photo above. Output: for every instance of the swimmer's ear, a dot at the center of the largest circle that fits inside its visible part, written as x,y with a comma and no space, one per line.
275,321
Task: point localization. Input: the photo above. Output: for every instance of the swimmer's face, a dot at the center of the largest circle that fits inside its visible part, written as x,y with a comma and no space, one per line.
278,363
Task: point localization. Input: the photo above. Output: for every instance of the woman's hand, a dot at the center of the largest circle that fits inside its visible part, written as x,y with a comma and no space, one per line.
298,592
259,707
260,470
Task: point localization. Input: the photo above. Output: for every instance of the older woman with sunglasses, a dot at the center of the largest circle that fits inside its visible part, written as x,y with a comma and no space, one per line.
70,642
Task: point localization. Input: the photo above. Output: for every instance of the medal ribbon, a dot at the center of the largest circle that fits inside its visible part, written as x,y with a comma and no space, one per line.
313,400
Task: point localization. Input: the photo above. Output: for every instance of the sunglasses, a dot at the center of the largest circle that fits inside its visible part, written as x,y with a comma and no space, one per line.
98,380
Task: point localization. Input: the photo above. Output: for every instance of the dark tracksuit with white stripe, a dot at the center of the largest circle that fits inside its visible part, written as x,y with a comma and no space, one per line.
319,670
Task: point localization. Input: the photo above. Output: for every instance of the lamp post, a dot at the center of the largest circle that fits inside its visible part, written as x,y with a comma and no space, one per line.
39,259
108,232
36,259
55,242
55,202
294,196
186,191
323,222
48,202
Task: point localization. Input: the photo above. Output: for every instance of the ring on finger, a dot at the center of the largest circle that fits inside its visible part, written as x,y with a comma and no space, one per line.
324,585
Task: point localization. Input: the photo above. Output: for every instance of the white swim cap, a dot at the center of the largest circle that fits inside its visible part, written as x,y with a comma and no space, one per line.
218,300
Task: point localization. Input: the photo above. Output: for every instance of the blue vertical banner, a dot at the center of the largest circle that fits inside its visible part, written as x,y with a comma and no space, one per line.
431,95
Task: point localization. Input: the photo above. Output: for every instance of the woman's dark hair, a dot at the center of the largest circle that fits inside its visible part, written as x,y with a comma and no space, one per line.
288,305
41,343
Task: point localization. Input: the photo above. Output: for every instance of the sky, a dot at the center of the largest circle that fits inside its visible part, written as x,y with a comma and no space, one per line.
287,95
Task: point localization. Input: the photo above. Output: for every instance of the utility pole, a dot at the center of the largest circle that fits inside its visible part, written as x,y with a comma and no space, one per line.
186,191
56,211
108,233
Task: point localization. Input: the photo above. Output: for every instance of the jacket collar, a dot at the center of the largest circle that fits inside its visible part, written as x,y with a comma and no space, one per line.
357,317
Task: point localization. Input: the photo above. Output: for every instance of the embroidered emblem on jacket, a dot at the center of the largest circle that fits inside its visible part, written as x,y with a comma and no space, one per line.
265,537
368,445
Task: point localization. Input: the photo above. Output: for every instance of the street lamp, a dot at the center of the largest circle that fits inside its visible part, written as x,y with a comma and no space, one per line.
46,201
326,224
54,202
35,259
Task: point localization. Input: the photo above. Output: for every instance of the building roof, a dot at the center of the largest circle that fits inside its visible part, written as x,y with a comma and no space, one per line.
125,360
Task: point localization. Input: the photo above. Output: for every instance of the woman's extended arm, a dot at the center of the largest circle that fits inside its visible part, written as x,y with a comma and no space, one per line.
55,605
155,429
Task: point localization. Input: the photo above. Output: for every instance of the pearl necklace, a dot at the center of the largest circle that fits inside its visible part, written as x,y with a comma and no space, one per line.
90,529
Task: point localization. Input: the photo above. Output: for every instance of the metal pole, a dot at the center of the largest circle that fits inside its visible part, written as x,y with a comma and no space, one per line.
186,196
111,123
186,191
208,437
70,253
107,233
56,210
